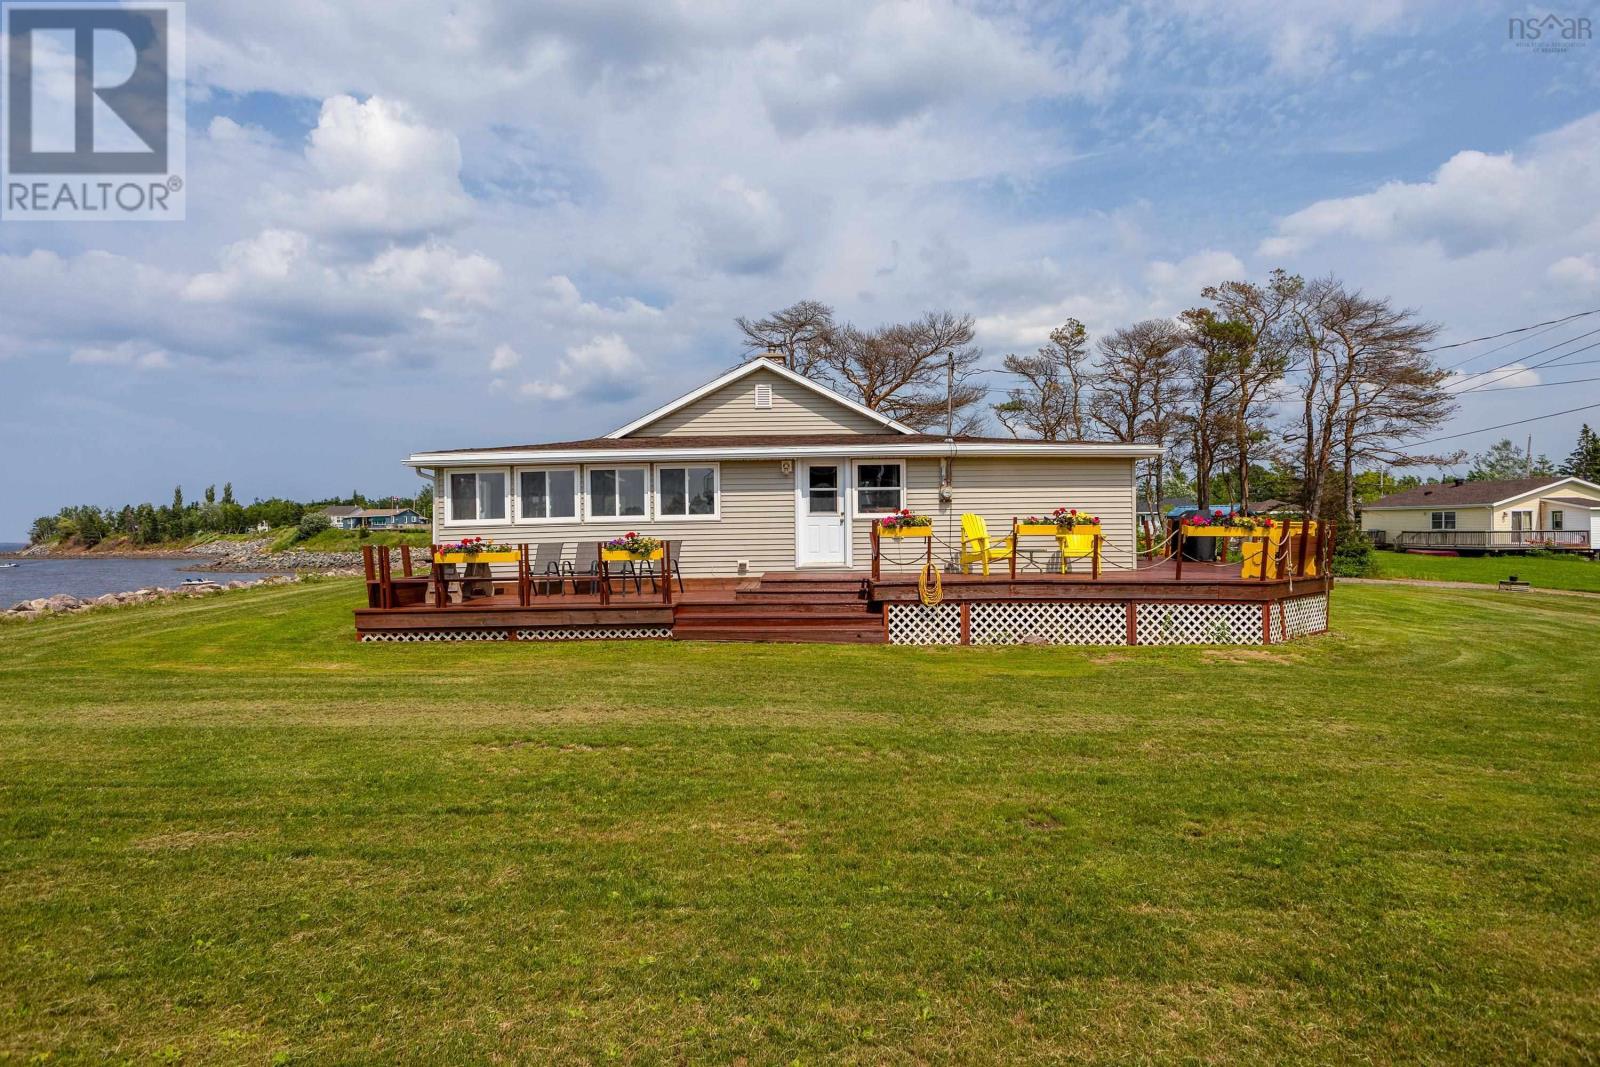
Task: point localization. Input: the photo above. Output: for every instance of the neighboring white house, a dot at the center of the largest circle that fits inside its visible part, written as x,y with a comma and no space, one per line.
762,470
1502,516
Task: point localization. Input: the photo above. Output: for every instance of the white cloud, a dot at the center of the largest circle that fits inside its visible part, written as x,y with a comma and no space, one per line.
1580,273
504,358
1474,202
603,366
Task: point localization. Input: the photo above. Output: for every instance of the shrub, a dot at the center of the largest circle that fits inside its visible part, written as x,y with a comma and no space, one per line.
1352,553
311,524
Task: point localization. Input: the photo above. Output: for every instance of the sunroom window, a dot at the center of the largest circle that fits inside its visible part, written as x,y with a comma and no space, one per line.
880,487
616,492
687,492
477,496
549,494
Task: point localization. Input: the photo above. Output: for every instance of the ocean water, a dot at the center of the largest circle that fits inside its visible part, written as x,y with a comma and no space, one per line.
88,577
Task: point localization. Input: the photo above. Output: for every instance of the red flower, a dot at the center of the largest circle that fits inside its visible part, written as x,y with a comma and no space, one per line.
1074,511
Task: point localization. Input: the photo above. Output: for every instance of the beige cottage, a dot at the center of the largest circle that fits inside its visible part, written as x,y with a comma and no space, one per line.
1498,516
764,470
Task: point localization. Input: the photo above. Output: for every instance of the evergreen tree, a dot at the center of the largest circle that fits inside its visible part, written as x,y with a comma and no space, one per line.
1502,462
211,494
177,499
227,493
1584,462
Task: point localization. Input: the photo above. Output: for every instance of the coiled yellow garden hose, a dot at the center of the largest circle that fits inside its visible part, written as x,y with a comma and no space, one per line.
930,587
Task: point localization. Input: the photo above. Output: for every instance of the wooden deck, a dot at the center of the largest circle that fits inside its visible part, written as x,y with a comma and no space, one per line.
837,606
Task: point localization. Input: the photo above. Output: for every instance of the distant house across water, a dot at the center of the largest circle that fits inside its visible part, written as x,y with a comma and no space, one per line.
349,517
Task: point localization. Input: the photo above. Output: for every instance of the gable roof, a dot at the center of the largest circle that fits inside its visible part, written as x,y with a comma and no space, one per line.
1576,501
1470,494
340,511
744,370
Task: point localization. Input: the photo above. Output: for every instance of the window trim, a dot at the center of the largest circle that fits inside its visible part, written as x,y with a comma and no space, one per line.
450,499
716,473
857,513
589,515
1558,518
1446,520
578,500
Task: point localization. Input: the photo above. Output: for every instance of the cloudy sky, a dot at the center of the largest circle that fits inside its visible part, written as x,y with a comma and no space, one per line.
427,225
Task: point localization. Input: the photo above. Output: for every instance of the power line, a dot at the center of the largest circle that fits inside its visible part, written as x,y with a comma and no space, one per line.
1502,348
1521,367
1535,385
1508,333
1503,425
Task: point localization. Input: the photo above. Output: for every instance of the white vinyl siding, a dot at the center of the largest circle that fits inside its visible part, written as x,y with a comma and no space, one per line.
756,500
733,410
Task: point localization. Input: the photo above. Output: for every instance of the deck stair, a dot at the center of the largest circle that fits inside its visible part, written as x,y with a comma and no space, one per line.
788,606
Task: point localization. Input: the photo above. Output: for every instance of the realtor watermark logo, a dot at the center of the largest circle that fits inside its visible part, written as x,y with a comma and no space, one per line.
1550,33
94,125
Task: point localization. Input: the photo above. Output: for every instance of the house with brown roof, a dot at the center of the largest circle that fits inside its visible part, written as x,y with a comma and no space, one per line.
1517,515
762,469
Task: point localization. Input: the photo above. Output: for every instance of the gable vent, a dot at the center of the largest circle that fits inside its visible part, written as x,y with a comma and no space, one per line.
763,396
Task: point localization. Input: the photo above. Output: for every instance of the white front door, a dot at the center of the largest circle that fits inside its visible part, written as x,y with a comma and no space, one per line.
821,521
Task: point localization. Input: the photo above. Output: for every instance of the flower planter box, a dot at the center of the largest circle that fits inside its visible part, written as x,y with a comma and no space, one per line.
906,531
1223,531
1042,529
498,556
618,555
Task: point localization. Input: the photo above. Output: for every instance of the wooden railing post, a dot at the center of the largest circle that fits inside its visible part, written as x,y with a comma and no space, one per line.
1305,535
875,548
666,571
603,573
1015,548
1097,539
524,578
405,560
1179,546
1266,554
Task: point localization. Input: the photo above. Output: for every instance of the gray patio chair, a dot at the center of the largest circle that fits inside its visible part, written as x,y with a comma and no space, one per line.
546,567
584,567
674,550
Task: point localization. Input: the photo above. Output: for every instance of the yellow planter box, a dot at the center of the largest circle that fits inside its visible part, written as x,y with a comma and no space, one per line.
1223,531
909,531
620,556
1043,529
506,556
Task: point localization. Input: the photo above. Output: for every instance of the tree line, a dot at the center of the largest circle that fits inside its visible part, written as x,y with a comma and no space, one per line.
1287,386
149,524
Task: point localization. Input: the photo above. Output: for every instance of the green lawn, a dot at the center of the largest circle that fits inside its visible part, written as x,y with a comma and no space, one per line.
1565,572
229,833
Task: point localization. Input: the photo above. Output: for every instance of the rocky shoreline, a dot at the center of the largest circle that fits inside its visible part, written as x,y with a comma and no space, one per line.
65,604
225,557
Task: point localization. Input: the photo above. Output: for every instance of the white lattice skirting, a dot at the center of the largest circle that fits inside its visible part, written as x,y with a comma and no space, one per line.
924,624
619,633
1199,624
1085,623
1299,617
1058,624
410,636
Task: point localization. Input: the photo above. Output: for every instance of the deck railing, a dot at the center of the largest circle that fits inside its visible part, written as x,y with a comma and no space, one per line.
1492,539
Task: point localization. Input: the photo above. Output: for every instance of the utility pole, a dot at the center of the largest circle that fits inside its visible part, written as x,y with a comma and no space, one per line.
1527,464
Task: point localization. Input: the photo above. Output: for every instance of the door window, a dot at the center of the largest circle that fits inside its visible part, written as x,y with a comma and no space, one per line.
822,490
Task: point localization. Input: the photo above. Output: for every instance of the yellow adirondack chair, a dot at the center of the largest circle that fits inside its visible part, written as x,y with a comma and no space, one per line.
978,547
1075,546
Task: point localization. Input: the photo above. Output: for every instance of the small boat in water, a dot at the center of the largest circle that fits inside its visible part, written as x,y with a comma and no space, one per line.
6,566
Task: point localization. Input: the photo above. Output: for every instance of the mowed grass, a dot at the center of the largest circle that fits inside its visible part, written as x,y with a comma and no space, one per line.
1565,572
229,833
